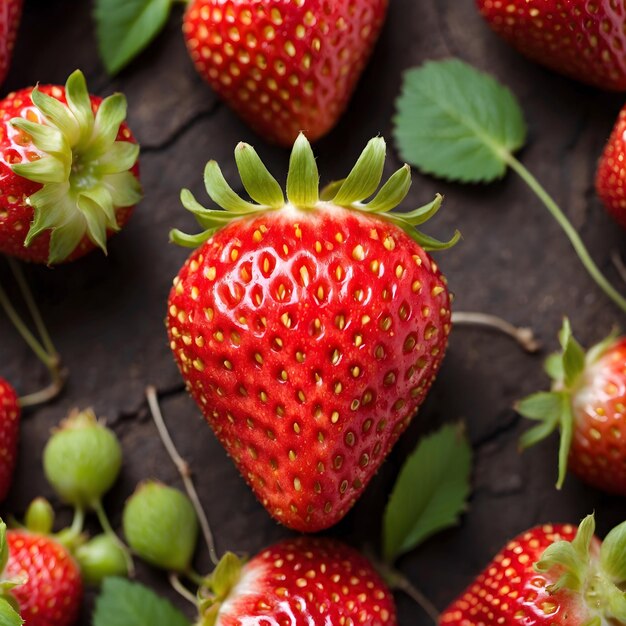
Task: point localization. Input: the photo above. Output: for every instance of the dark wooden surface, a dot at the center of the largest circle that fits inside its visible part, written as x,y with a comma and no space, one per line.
106,314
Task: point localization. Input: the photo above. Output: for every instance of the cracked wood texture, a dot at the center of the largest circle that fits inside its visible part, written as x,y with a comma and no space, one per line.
106,314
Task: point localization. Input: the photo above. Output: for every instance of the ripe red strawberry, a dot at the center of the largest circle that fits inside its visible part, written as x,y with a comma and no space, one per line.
298,581
551,575
588,404
309,332
10,13
52,593
611,174
9,433
581,39
284,66
68,171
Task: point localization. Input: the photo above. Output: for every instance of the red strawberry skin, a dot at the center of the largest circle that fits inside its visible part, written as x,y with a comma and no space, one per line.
9,435
53,592
509,591
309,340
598,451
611,174
284,66
16,147
581,39
10,13
309,581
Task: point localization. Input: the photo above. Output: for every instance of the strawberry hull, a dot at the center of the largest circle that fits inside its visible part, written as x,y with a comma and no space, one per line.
309,340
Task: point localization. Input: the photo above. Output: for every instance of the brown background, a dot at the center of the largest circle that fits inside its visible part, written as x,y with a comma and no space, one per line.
106,314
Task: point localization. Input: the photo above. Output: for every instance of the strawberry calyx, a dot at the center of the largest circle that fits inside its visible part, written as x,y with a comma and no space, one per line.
84,171
600,581
217,588
303,193
553,409
6,583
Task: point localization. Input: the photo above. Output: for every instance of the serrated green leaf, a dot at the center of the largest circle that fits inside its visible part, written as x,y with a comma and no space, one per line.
125,27
456,122
8,615
124,603
430,493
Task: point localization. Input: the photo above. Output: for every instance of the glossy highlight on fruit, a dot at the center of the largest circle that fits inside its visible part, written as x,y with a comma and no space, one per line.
304,581
309,332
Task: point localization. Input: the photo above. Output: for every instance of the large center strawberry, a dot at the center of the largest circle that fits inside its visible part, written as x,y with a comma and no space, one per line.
309,336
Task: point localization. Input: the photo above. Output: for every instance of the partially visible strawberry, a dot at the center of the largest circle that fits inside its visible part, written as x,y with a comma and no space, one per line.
52,593
10,13
284,66
611,174
68,171
298,581
550,575
9,434
588,404
309,331
582,39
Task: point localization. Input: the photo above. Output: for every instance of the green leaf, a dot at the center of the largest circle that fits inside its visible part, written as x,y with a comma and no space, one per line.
458,123
123,603
430,493
365,176
302,178
613,554
8,615
125,27
261,186
553,366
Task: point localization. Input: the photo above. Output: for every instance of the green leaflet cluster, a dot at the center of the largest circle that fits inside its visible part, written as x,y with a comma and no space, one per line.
553,409
84,171
303,193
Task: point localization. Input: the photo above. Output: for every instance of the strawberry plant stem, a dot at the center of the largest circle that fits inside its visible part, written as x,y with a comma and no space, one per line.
181,590
399,582
33,309
183,469
569,230
618,262
522,335
79,520
108,530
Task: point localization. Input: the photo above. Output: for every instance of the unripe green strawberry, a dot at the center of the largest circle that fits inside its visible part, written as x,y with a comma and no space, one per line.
161,527
101,557
82,459
39,517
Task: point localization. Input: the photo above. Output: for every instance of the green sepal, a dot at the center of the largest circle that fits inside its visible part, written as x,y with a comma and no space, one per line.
552,410
571,558
261,186
303,177
365,176
9,615
553,366
573,355
84,171
226,575
4,546
303,193
613,554
393,192
330,190
39,517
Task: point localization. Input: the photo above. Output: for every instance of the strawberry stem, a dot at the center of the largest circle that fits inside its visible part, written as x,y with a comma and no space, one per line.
523,335
181,590
183,469
619,264
108,530
398,582
44,349
569,230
